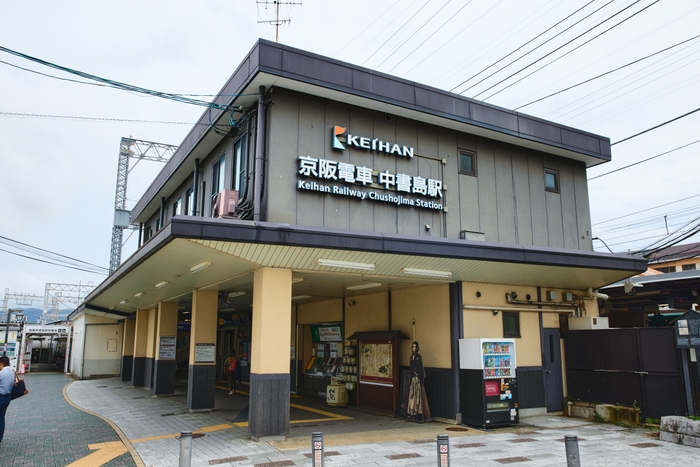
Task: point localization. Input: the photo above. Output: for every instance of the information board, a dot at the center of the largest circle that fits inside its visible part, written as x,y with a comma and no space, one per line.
688,331
166,349
204,353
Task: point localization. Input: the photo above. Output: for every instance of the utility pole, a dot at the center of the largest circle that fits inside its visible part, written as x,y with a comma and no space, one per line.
277,21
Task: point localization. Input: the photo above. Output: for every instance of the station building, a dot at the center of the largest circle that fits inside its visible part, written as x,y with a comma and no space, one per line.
317,203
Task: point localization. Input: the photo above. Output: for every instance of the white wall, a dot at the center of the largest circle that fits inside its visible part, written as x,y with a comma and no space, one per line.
97,347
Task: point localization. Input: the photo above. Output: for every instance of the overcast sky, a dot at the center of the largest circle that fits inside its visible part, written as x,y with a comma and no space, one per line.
58,175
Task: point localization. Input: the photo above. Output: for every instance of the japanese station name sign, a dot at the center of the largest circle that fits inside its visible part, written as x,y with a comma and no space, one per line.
364,183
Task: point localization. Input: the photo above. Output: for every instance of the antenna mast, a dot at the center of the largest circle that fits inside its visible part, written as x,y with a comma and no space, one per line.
277,21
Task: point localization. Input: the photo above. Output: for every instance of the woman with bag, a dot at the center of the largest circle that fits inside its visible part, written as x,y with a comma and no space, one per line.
7,382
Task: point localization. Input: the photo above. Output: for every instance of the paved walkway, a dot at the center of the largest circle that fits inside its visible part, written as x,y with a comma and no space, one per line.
44,430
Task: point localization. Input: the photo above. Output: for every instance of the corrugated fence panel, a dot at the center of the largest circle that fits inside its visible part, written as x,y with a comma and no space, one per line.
439,387
530,387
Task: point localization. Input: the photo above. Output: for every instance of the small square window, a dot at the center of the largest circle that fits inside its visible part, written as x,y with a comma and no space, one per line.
511,324
467,162
551,180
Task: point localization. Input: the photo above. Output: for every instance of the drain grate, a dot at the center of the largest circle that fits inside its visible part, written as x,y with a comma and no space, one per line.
275,464
512,460
227,460
645,445
522,440
325,454
408,455
166,414
422,441
100,387
469,445
139,397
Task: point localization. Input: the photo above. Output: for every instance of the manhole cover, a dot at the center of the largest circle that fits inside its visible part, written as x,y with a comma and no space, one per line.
457,428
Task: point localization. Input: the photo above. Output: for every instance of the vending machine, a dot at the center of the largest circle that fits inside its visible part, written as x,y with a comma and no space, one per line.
488,388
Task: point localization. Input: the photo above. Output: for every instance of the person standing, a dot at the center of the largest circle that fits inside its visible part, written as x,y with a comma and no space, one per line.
230,371
7,381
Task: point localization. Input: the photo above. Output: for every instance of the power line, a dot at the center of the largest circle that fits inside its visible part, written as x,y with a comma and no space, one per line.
396,32
411,35
570,51
55,264
644,160
368,26
655,127
528,42
645,210
431,35
606,73
123,86
26,247
99,119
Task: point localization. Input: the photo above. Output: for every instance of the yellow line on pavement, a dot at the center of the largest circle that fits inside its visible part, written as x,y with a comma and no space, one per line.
125,441
104,452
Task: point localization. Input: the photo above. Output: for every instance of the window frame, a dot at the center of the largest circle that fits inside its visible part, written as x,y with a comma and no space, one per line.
507,332
472,155
555,174
189,201
689,267
240,164
218,175
177,207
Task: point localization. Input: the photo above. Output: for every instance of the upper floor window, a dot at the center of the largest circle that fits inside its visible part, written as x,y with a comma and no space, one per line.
689,267
511,324
218,175
240,164
177,207
467,162
189,201
551,180
666,269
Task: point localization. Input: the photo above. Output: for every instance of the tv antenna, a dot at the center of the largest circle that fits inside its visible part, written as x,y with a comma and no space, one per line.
277,21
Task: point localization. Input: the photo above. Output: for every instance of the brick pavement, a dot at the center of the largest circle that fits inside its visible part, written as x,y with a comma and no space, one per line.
44,430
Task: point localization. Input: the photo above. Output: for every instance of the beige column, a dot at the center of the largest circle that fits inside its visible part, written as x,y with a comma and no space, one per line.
270,358
128,349
138,377
201,379
165,335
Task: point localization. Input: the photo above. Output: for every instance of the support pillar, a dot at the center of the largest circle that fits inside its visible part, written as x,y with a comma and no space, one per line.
128,349
150,349
166,335
140,338
268,416
201,381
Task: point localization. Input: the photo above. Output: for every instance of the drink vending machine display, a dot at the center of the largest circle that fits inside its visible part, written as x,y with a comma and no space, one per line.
488,387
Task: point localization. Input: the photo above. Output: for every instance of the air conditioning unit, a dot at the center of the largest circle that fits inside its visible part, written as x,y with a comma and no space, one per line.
225,203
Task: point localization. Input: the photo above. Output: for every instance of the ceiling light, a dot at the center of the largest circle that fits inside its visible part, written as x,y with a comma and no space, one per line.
346,264
162,284
123,302
300,297
297,279
427,272
138,295
235,294
200,266
364,286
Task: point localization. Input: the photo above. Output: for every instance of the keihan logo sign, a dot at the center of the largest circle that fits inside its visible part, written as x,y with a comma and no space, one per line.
340,136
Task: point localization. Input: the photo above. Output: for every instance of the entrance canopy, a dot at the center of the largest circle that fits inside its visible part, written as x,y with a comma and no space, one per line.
221,254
